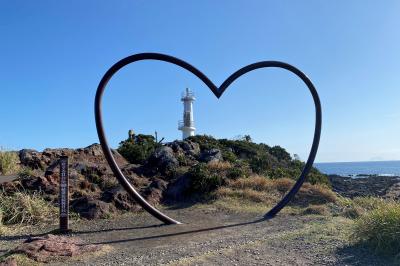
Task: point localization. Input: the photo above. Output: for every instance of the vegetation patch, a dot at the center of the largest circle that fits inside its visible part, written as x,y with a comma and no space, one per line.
355,208
9,162
380,229
260,189
138,148
24,208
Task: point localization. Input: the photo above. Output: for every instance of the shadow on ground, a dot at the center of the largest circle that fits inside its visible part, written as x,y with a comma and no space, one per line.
361,255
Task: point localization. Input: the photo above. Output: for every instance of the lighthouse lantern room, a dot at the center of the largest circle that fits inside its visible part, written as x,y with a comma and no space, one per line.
187,124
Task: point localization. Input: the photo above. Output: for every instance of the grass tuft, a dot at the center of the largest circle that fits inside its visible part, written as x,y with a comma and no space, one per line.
23,208
9,162
380,229
355,208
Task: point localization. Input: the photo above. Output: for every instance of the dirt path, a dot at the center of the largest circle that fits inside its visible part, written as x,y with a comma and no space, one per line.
211,237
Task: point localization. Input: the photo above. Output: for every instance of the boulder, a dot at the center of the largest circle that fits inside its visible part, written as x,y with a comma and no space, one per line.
45,248
186,147
91,208
164,159
176,190
47,184
213,155
31,159
121,199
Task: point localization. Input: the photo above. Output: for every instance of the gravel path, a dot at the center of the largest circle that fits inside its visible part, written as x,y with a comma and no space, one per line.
211,237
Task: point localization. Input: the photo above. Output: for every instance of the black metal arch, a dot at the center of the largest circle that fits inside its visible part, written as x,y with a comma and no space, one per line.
218,91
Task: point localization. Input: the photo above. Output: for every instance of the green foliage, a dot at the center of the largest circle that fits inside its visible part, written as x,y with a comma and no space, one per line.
314,177
203,180
260,164
274,162
280,153
380,229
229,156
236,172
138,149
206,142
9,162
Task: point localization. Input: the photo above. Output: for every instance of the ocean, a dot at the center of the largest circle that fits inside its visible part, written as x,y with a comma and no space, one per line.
386,168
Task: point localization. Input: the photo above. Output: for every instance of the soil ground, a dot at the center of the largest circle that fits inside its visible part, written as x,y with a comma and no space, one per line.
210,236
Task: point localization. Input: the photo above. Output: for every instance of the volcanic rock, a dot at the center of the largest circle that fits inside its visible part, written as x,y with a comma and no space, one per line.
213,155
164,159
90,208
44,248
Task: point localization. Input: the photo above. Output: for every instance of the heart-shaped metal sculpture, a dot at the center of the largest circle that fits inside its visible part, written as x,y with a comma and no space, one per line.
218,91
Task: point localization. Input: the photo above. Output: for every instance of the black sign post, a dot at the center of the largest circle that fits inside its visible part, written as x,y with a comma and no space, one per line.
64,195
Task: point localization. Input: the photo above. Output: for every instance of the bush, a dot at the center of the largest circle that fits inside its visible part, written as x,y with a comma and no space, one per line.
203,180
9,162
22,208
380,229
138,149
280,153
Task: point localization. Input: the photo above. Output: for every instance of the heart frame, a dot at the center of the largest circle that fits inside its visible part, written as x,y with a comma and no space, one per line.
218,91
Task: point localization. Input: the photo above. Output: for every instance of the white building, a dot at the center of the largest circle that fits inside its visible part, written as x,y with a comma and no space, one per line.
187,124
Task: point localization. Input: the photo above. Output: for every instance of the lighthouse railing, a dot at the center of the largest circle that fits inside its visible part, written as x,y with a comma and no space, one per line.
181,124
189,94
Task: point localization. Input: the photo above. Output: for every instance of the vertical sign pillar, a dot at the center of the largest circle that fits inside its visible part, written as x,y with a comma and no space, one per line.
64,195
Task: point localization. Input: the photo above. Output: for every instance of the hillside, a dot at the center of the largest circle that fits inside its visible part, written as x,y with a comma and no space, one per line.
193,179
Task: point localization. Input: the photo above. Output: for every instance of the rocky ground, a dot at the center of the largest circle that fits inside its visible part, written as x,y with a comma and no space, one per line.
209,235
95,193
213,237
387,187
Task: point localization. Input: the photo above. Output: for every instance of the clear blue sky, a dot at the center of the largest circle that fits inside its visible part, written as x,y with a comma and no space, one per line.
53,54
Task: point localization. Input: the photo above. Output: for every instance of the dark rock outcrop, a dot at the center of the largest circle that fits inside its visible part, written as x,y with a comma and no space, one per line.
90,208
164,160
213,155
376,186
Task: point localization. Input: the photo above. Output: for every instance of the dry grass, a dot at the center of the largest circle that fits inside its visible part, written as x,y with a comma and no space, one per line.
269,191
9,162
316,210
23,208
219,165
247,194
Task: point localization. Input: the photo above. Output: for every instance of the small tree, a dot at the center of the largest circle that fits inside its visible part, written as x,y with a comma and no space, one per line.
138,148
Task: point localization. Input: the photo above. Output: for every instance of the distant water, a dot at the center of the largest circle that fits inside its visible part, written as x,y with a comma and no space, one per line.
389,168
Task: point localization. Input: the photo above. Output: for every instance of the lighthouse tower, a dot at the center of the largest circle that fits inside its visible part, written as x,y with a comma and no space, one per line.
187,124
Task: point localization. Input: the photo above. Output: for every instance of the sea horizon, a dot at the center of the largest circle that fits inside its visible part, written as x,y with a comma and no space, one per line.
382,168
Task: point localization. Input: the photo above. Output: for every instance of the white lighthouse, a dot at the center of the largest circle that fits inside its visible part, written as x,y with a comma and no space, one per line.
187,124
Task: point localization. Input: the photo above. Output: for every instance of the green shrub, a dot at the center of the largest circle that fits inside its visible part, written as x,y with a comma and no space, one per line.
206,142
280,153
260,164
380,229
276,173
23,208
203,180
138,149
229,156
9,162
